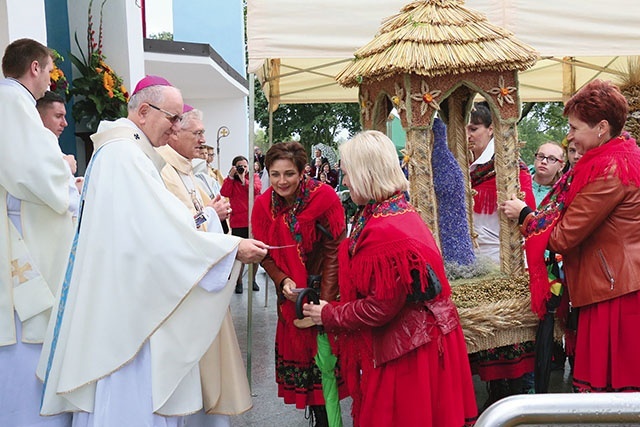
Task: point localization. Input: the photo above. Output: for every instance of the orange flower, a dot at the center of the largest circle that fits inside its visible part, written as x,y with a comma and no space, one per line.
503,92
56,73
108,83
426,97
124,92
105,66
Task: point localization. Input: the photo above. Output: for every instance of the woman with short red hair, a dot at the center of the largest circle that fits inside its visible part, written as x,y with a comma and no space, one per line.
591,217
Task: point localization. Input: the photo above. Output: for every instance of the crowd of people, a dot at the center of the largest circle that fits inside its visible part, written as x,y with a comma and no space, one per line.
115,291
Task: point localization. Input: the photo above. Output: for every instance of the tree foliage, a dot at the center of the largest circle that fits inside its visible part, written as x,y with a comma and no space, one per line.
541,122
309,123
163,35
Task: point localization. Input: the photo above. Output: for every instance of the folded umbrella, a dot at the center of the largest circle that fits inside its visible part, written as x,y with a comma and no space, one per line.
326,362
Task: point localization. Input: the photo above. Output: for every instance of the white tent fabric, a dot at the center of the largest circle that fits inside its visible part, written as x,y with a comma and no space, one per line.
297,47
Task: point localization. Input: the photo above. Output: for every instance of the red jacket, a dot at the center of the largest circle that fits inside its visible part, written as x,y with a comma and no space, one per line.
397,326
238,194
599,239
376,280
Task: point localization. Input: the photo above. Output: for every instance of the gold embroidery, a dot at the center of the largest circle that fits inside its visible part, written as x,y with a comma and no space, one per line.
19,271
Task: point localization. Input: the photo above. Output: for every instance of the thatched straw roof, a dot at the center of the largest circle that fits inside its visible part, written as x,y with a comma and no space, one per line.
436,37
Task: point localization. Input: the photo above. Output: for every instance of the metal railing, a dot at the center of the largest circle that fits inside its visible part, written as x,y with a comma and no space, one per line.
564,409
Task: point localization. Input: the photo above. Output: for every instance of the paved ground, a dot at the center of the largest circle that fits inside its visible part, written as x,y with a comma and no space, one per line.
268,409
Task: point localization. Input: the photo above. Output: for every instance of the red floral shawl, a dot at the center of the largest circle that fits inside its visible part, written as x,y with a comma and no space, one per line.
278,224
620,158
388,240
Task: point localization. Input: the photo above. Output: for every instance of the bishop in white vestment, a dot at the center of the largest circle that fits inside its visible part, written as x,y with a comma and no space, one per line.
221,368
145,292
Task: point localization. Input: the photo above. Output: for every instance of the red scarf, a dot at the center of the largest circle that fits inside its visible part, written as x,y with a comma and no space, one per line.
387,241
279,224
620,158
483,181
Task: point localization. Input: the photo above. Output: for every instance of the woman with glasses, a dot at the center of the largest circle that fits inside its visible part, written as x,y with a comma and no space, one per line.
548,163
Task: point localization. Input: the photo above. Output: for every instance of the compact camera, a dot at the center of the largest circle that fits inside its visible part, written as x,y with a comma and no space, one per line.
240,169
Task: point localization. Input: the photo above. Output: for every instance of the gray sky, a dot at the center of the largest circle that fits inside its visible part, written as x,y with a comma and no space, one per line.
159,16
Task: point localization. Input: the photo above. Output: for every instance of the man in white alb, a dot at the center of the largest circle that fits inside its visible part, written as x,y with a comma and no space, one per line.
36,230
222,366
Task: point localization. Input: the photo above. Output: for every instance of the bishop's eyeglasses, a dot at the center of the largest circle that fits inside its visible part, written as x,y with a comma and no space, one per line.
173,118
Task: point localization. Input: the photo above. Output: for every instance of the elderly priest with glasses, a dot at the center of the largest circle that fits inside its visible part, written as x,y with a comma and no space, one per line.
145,292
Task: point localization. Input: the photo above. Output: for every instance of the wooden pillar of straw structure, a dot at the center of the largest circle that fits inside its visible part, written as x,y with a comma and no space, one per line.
423,196
457,142
507,155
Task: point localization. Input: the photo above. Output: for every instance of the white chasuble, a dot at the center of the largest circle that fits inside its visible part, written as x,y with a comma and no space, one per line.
143,280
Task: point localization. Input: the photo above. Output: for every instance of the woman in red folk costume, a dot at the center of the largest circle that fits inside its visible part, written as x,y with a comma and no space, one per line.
591,217
508,369
303,220
403,352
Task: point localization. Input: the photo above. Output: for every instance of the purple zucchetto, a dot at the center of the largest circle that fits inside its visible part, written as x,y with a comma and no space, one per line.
150,81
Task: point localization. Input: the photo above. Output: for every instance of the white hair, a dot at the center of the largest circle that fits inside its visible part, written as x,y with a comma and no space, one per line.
371,162
190,115
151,95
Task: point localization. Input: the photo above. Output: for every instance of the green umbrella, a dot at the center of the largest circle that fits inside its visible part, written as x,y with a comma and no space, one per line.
326,362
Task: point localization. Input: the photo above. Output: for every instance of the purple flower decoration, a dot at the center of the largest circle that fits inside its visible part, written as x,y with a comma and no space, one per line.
448,183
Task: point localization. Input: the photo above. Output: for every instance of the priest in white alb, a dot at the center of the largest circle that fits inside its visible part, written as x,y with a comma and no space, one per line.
145,292
36,230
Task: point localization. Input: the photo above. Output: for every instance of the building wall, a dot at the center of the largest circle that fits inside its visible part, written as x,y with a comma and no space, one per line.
225,112
22,18
123,47
58,38
122,35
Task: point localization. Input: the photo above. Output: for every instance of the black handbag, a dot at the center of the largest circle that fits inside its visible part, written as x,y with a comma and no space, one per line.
433,289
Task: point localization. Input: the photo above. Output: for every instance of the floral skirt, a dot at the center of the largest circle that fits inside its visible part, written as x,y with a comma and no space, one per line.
299,378
507,362
607,346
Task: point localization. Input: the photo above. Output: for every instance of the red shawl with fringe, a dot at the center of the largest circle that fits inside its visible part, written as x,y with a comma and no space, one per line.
483,181
388,240
620,158
278,224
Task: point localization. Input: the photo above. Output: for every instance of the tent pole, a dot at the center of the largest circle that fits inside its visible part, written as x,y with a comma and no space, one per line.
568,78
251,272
270,143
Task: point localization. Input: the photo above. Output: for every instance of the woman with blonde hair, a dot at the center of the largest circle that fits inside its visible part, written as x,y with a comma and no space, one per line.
403,351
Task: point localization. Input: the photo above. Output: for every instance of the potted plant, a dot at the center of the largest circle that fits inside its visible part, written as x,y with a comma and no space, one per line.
99,93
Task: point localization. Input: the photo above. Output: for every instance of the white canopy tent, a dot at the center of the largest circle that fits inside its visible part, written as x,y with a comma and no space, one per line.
297,47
